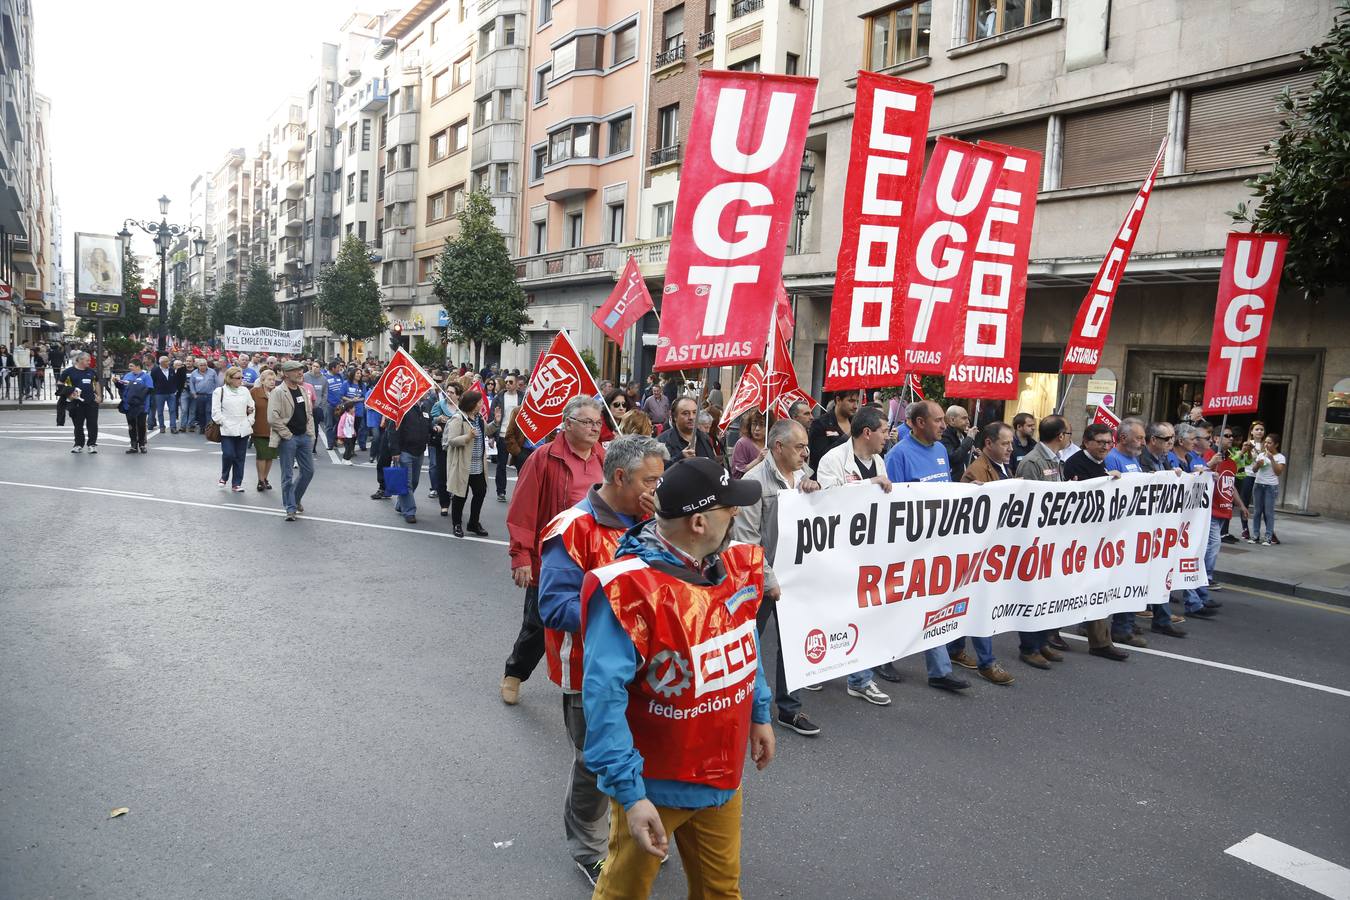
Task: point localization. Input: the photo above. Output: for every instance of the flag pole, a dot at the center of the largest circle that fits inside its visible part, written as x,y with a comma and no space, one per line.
1065,399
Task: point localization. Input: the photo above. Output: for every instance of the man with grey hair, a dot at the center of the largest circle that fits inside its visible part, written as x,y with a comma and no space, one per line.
784,469
800,412
580,539
79,387
557,475
201,384
163,396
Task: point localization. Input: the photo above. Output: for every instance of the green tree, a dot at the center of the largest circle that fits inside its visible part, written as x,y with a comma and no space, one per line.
349,297
476,282
426,353
224,308
195,320
1306,194
176,314
259,306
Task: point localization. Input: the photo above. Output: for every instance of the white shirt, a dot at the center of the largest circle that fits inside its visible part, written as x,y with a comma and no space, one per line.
510,400
1266,474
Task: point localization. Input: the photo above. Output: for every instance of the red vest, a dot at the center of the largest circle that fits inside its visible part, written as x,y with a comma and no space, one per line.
591,546
690,701
1225,480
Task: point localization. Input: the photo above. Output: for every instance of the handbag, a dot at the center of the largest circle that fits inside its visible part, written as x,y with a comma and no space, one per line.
395,481
212,429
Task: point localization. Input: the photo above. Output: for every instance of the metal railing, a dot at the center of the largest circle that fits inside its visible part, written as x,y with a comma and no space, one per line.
662,155
705,40
741,7
666,57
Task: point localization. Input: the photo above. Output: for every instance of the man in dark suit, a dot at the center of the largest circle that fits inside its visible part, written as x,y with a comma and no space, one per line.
164,394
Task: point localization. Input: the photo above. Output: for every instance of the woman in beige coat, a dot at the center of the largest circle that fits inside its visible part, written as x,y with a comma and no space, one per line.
464,463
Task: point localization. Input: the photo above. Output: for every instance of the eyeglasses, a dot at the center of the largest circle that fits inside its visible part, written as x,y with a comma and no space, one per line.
1228,434
618,405
586,423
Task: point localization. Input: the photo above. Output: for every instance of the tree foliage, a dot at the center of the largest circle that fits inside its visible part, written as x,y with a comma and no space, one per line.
195,319
349,297
476,282
1306,195
259,308
426,353
224,307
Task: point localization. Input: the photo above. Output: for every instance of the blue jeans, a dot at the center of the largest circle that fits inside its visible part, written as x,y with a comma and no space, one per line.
233,450
187,411
787,703
202,404
1197,598
859,680
362,429
406,504
158,404
984,650
1263,507
938,661
330,426
297,449
1031,641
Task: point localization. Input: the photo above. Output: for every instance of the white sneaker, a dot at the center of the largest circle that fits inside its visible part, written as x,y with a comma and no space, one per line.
93,448
871,693
220,483
77,449
814,687
1263,543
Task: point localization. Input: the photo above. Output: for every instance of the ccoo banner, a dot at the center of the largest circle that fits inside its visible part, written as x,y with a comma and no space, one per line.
890,122
263,340
737,187
868,577
1252,265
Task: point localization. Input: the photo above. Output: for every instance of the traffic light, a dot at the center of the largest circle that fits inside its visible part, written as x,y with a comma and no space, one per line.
397,340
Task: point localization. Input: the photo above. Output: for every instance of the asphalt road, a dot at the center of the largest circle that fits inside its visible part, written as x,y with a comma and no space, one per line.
310,709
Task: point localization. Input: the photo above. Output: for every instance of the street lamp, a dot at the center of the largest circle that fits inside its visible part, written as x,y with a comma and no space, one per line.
164,235
804,191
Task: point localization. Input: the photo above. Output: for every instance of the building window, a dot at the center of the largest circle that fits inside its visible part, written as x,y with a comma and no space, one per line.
361,230
538,236
327,184
440,85
463,71
351,140
509,31
407,154
440,145
365,185
898,35
487,39
503,105
459,135
545,11
615,223
792,64
351,187
672,28
456,199
538,159
482,112
746,65
586,52
573,142
436,28
663,216
436,207
668,126
575,231
503,178
625,43
991,17
313,93
620,135
542,76
426,269
365,134
309,186
309,141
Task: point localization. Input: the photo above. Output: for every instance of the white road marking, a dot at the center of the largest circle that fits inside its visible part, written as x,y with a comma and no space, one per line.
88,487
1225,666
253,509
1298,866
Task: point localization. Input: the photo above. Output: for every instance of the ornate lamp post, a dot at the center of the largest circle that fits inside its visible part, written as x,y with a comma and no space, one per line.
164,235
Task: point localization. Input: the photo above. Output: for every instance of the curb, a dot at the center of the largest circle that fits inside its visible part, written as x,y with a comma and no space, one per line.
1320,593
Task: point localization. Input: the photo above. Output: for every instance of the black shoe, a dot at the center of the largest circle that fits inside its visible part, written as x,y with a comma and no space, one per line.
379,495
1213,604
1169,629
800,724
592,871
1228,539
1203,612
477,530
267,484
133,449
1109,653
948,683
411,520
143,448
887,672
445,512
260,486
458,530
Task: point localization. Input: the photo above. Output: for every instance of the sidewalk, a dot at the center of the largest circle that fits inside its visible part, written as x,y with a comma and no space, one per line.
1312,560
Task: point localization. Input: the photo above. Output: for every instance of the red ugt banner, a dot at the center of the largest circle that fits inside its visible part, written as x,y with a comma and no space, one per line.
781,389
1088,337
1252,265
559,376
955,194
890,124
986,344
737,189
401,385
628,302
1104,416
749,393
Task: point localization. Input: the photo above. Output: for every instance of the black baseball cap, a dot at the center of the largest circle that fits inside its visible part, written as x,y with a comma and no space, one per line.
695,485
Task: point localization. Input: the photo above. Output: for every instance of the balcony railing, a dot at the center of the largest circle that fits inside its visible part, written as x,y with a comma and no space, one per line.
705,40
741,7
666,57
598,259
663,155
645,252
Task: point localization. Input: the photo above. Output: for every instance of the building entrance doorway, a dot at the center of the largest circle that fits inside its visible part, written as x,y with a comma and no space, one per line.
1174,397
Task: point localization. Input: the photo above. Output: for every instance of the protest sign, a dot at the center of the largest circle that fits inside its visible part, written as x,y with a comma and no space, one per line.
1248,284
1104,416
986,342
1088,337
263,340
559,376
890,122
738,185
868,577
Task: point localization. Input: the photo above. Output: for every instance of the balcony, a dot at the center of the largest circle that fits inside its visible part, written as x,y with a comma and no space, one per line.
293,139
650,255
705,40
595,263
374,94
664,155
22,258
292,179
667,57
744,7
293,215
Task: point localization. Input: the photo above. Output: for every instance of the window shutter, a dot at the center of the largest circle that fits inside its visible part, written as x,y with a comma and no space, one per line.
1113,145
1027,135
540,341
1229,125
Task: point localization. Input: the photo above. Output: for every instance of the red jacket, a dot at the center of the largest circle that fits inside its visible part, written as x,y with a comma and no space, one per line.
552,479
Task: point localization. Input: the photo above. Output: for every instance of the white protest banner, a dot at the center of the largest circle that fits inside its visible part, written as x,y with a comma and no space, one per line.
263,340
868,577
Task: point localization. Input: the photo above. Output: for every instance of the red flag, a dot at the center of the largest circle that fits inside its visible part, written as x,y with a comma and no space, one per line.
737,189
783,311
890,122
628,302
781,389
986,342
559,376
1104,416
1248,285
915,382
1088,337
955,194
399,388
748,394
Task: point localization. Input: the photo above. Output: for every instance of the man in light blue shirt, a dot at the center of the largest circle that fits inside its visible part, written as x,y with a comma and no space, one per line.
202,381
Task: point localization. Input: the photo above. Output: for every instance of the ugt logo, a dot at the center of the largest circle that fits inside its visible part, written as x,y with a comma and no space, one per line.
552,385
401,384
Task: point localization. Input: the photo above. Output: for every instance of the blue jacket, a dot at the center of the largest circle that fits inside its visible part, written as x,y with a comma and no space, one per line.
609,665
559,575
136,392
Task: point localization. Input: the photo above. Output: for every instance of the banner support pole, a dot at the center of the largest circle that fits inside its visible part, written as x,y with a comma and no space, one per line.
1059,410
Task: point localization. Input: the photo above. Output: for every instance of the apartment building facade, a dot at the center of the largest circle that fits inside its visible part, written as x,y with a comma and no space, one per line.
1097,94
233,186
